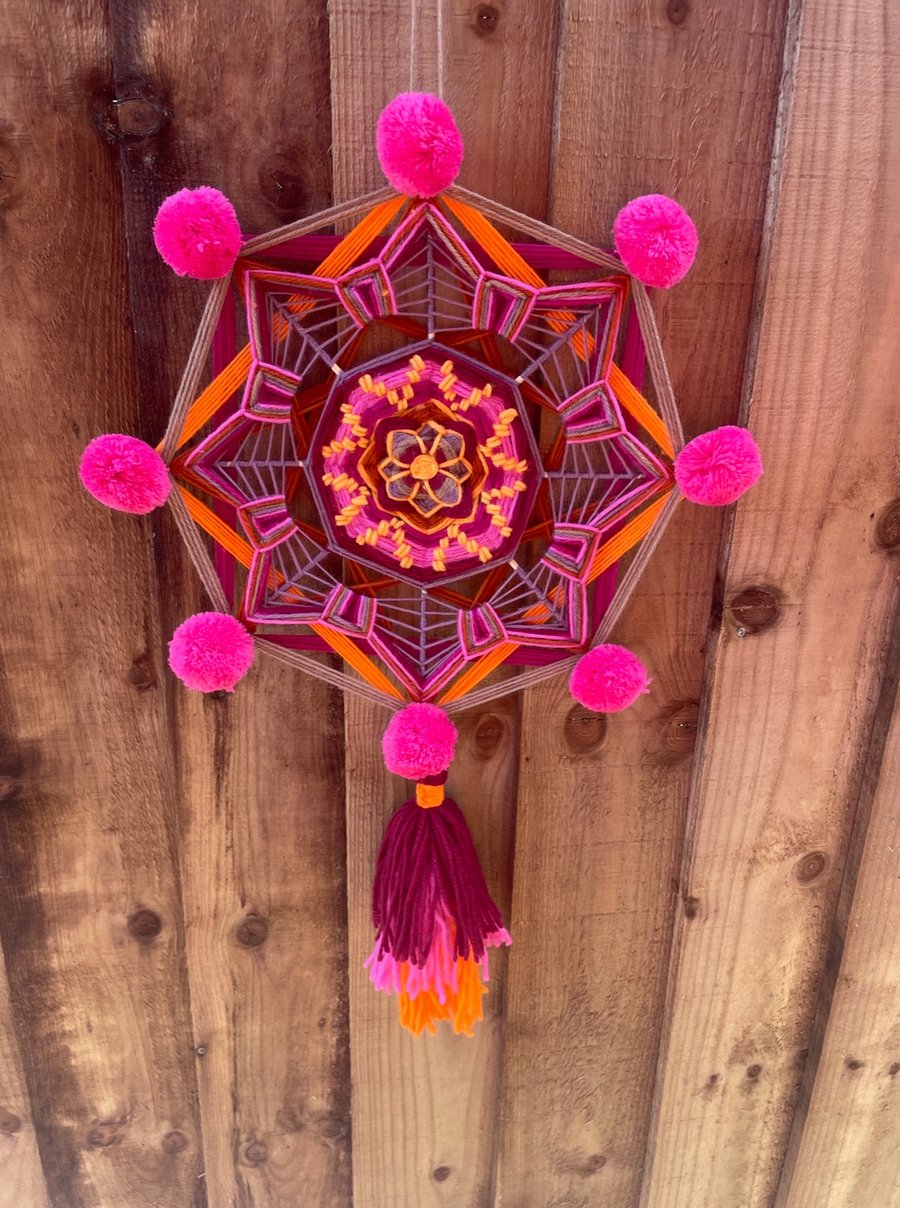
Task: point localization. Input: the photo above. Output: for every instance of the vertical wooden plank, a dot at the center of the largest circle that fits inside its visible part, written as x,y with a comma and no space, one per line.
91,927
652,98
790,707
425,1110
260,773
21,1177
847,1149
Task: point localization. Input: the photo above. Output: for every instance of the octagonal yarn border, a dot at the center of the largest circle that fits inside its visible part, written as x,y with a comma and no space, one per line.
191,410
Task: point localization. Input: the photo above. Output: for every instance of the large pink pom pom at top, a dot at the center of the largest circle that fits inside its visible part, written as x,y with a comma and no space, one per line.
125,473
419,146
717,467
197,233
419,741
608,679
655,239
211,651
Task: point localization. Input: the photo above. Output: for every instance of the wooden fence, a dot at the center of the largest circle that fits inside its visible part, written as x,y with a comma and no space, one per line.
701,1006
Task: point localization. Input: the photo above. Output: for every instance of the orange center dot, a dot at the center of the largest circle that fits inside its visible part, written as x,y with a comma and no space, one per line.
423,467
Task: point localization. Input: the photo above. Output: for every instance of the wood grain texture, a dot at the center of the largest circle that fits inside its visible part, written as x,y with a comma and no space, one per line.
91,925
261,828
425,1111
699,1008
844,1144
790,708
21,1177
847,1149
686,109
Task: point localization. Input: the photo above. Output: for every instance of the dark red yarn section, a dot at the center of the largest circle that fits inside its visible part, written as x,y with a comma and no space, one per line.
427,864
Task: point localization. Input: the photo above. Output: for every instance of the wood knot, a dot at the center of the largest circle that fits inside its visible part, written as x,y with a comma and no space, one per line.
103,1134
678,11
9,786
288,1120
9,1122
140,673
486,20
810,867
753,1072
441,1174
680,730
136,114
595,1162
853,1064
894,1069
331,1128
691,907
753,610
281,183
584,730
144,925
887,528
489,733
140,116
252,931
12,176
174,1141
256,1153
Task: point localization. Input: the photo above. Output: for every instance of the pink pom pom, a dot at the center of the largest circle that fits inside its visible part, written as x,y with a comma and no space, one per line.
420,148
197,233
608,679
419,741
211,651
655,239
717,467
125,473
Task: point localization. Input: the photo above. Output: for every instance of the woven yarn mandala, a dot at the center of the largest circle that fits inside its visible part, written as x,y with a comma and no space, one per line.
423,445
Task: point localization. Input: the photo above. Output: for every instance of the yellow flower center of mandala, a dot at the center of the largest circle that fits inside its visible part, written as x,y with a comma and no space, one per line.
423,467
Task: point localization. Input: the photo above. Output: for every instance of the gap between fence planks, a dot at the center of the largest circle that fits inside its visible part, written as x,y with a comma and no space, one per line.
601,805
790,709
425,1111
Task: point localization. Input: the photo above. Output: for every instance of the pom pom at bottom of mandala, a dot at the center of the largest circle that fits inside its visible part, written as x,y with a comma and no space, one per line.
419,146
419,741
125,473
608,679
718,467
210,652
197,233
656,240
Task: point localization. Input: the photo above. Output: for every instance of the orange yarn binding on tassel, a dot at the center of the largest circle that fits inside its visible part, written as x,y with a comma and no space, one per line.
429,795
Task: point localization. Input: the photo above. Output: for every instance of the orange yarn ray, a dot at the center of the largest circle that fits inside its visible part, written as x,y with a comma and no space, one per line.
475,673
221,388
462,1007
631,533
638,407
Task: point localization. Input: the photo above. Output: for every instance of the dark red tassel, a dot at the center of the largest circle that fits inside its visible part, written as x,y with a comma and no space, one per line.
433,914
